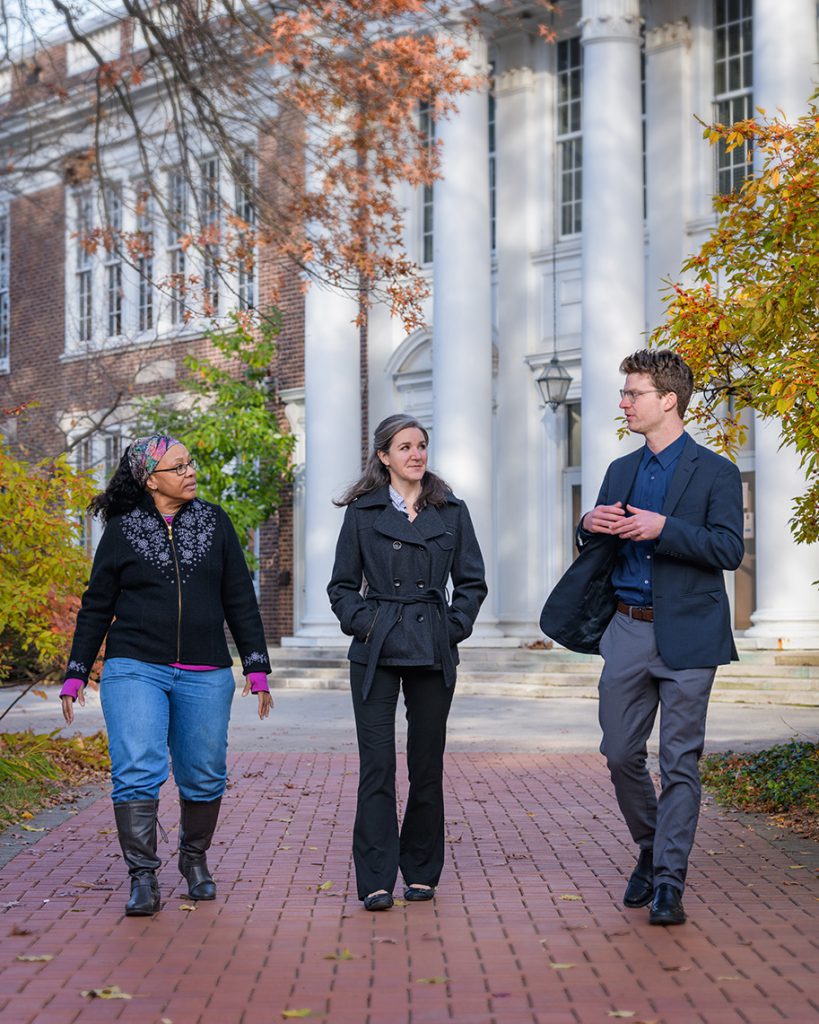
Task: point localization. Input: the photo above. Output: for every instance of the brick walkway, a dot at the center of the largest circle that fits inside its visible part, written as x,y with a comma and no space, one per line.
527,927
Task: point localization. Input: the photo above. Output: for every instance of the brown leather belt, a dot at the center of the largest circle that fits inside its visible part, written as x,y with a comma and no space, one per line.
636,611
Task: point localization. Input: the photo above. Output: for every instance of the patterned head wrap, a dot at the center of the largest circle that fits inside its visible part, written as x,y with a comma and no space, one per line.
144,454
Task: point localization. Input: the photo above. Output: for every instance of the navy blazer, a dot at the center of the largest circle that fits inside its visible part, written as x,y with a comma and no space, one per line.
702,537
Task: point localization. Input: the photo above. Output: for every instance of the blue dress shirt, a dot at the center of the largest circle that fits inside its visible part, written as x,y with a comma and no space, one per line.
633,574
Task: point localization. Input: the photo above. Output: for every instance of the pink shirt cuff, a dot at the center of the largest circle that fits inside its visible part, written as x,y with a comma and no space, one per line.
258,682
72,688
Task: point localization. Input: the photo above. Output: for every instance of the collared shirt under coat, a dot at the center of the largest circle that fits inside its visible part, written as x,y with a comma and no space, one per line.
633,574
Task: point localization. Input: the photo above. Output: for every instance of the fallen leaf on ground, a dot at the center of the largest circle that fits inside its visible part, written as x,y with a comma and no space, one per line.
672,967
621,1013
108,992
796,867
42,958
296,1013
384,938
324,886
187,906
27,815
32,828
41,694
399,903
562,967
435,980
17,930
729,977
567,896
345,954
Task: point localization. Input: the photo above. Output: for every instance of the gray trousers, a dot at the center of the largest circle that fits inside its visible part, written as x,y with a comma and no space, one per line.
634,682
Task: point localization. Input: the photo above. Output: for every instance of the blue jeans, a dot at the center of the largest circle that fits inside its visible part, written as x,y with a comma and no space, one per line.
151,709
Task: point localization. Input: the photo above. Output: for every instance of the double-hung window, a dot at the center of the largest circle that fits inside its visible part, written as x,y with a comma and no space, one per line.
113,262
145,259
245,208
84,263
210,217
176,228
427,128
569,137
733,80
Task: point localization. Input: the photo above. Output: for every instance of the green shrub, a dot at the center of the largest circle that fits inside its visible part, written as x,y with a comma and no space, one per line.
781,778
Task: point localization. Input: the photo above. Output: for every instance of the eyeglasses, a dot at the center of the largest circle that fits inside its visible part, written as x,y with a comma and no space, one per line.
632,396
181,469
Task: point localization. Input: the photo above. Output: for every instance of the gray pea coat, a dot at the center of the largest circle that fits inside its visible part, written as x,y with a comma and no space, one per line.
389,583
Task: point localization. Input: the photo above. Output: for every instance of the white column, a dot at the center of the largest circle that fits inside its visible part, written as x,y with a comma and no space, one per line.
613,250
462,313
517,422
668,117
332,444
787,612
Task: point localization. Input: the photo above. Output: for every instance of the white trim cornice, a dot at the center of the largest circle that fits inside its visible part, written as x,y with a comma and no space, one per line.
610,19
514,80
665,37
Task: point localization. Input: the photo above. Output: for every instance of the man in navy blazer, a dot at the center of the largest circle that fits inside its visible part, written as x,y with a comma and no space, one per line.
669,518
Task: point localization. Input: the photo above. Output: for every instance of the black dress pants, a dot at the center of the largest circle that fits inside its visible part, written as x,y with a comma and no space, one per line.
379,850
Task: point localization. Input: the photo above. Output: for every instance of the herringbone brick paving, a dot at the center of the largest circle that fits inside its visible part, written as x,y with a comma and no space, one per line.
527,927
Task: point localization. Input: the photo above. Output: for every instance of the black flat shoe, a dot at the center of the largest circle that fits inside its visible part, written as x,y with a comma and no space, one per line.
378,901
666,907
640,888
412,894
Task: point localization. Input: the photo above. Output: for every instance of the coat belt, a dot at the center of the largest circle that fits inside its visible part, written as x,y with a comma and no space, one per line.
392,616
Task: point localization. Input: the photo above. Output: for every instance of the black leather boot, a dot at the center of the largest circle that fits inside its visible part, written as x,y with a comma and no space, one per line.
197,823
136,827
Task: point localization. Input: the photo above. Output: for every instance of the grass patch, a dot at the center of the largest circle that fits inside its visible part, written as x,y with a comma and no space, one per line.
782,781
40,770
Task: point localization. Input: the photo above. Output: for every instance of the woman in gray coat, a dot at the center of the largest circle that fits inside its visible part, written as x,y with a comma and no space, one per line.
405,535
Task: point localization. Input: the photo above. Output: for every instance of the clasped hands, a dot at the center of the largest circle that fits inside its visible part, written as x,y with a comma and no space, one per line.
629,523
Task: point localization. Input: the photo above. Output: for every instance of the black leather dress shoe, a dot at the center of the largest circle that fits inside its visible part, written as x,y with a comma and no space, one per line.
378,901
666,907
412,894
640,888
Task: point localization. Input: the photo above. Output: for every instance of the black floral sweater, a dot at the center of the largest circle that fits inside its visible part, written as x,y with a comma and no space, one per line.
162,593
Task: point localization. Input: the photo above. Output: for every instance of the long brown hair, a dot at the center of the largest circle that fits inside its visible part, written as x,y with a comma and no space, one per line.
434,490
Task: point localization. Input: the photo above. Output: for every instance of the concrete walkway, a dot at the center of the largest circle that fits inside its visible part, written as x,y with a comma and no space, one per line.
323,720
527,926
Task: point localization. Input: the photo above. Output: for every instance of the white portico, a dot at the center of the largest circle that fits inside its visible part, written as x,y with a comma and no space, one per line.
551,167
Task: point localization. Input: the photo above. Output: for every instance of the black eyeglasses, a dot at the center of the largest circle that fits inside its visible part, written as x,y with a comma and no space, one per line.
181,469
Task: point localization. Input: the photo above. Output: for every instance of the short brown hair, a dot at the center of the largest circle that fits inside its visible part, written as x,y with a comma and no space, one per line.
668,372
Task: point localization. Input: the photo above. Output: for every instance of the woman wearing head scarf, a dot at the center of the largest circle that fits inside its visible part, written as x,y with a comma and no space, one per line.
405,536
168,573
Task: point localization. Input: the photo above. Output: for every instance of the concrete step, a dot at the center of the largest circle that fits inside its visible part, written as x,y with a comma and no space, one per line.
766,677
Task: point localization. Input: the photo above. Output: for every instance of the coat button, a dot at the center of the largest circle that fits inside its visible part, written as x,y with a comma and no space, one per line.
420,584
396,583
419,618
397,545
